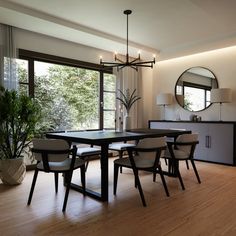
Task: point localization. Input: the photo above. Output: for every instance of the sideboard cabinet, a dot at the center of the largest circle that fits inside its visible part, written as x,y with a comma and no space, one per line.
216,139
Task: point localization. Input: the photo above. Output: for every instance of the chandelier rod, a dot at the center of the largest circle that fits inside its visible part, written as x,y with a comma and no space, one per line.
127,12
127,40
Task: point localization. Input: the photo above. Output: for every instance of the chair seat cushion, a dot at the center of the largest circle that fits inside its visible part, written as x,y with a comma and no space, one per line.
88,151
140,162
120,146
179,154
62,165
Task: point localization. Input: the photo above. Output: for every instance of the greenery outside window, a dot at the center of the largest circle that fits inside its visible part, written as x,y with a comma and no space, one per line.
74,95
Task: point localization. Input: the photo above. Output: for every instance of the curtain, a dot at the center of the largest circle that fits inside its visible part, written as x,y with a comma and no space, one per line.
128,78
8,55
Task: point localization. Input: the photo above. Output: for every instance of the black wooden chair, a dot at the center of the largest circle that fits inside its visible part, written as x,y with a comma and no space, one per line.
88,153
120,148
182,150
145,156
55,155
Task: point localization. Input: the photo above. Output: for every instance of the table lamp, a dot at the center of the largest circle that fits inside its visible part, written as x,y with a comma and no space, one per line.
221,95
164,99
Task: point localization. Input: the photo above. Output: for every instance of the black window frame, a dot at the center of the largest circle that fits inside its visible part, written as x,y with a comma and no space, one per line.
32,56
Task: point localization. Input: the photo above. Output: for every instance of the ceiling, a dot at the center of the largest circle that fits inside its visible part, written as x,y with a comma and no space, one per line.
168,28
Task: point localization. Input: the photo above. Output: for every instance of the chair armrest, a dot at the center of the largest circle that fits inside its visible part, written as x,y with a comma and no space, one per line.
140,149
182,143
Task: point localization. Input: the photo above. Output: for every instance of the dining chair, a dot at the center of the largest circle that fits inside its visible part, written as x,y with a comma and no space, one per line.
120,148
146,157
87,153
55,155
182,150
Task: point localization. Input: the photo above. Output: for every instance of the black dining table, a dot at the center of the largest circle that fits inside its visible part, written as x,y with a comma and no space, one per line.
103,139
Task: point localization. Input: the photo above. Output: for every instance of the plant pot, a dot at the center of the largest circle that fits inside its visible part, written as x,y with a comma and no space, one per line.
12,171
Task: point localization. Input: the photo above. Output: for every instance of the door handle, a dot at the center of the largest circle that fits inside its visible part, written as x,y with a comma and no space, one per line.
207,145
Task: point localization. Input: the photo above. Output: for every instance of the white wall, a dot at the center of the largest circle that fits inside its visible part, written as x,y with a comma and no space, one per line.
221,62
45,44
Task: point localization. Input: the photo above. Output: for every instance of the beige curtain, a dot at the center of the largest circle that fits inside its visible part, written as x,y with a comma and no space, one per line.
132,79
8,55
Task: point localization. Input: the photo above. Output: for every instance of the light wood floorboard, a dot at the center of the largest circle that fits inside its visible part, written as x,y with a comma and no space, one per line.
202,209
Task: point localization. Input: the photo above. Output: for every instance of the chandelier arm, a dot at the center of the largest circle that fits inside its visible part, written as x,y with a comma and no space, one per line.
112,63
143,65
144,62
117,59
136,59
135,68
123,66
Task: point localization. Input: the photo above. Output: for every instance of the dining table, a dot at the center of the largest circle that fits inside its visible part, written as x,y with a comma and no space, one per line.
103,138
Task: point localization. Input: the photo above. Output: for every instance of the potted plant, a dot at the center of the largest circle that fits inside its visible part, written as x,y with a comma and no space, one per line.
19,115
127,99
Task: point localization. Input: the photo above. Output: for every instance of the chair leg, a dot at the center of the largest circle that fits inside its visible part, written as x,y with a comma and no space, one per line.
116,172
195,171
56,181
120,156
166,161
32,186
154,176
67,190
163,181
187,164
86,165
82,174
180,179
137,182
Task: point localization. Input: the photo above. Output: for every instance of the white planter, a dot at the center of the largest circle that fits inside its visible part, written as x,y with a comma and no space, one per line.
12,171
127,122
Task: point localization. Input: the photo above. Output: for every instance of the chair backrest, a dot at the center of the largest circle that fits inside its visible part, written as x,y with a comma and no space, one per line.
152,143
186,138
150,150
51,145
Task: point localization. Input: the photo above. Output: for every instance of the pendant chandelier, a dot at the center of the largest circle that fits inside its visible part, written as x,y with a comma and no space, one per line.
135,63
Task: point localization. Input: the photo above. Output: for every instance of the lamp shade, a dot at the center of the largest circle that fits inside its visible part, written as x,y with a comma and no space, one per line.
164,99
221,95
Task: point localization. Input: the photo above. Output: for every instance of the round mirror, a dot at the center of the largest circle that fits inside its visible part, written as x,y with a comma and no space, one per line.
193,88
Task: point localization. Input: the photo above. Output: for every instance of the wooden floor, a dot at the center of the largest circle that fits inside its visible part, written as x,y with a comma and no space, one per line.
202,209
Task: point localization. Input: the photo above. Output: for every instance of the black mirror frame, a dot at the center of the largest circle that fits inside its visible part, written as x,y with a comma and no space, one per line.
217,84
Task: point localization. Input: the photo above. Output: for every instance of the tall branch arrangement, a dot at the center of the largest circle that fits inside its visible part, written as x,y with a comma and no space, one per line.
127,99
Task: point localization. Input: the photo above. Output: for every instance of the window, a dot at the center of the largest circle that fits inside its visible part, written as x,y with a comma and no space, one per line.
73,95
109,98
196,97
22,71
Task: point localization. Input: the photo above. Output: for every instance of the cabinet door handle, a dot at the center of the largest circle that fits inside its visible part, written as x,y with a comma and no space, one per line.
209,141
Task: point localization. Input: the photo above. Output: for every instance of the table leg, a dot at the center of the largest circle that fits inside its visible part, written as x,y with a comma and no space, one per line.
103,196
104,172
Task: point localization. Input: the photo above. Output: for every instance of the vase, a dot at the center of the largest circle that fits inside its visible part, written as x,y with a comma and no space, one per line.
12,171
127,122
